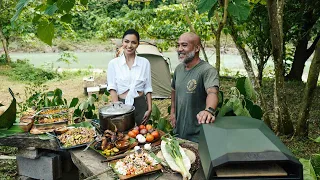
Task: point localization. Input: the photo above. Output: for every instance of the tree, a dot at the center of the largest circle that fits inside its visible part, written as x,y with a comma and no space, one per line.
239,42
275,12
300,25
302,127
6,8
256,35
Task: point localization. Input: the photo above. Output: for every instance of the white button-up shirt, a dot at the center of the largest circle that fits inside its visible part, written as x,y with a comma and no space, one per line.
121,79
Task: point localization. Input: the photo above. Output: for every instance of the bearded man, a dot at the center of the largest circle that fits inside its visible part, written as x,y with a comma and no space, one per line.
195,87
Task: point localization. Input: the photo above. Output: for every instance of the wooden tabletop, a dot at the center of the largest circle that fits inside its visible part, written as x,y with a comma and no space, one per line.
88,162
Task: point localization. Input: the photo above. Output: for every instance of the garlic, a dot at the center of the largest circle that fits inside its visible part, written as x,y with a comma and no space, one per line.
142,139
136,148
147,146
138,136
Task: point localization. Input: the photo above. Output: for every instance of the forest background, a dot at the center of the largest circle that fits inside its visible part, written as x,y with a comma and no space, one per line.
284,31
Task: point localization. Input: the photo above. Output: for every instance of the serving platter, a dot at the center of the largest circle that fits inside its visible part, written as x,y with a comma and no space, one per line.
152,169
89,140
131,146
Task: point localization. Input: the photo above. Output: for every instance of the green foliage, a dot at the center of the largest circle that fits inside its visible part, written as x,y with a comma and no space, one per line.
68,58
160,122
86,109
308,171
37,97
22,70
239,9
240,101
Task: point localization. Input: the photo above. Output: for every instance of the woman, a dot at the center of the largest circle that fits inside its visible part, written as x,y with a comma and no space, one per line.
129,78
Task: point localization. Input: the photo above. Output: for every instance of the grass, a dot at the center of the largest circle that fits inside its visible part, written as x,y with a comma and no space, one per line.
300,147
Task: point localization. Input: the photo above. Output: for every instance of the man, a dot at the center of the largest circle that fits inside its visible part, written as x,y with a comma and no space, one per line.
195,87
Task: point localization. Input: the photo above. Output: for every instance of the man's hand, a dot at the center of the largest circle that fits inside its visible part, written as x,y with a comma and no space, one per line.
173,120
205,117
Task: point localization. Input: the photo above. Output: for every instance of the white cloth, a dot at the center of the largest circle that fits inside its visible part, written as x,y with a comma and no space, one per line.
121,79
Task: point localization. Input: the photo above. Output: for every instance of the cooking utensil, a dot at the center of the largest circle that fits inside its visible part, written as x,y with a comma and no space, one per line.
97,139
117,116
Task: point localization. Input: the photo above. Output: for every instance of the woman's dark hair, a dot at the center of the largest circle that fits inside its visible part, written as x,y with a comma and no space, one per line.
132,31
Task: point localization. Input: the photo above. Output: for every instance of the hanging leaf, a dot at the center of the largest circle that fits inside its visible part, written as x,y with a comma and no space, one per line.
239,9
315,161
45,32
65,5
256,112
206,5
21,4
155,115
308,171
51,9
36,18
91,100
58,92
245,87
227,107
74,102
66,18
84,2
84,105
50,94
239,110
105,98
317,140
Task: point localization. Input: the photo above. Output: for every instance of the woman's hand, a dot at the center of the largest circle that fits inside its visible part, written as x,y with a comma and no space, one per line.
173,120
146,117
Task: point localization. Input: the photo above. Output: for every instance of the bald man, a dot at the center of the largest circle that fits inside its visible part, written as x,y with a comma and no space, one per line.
195,87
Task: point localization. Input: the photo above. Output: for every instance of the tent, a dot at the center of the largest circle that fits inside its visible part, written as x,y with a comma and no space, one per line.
160,71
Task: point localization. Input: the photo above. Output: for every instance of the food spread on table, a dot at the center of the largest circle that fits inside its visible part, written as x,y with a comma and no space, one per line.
77,136
136,163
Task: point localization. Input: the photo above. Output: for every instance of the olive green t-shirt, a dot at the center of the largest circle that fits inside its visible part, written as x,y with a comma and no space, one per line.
190,96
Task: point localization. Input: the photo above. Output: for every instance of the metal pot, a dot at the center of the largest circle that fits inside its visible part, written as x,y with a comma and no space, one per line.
117,115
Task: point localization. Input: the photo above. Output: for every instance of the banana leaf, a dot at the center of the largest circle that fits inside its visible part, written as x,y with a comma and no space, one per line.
9,116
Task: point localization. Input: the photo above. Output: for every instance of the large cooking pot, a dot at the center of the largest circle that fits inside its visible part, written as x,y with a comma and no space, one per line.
117,115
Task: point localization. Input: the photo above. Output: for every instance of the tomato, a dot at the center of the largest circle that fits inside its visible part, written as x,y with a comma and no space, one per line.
155,134
148,127
149,138
132,134
135,131
142,127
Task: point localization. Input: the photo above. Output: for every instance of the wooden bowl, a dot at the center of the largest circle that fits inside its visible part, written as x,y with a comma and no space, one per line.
122,144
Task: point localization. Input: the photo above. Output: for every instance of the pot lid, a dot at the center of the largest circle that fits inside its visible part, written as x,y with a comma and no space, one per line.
116,108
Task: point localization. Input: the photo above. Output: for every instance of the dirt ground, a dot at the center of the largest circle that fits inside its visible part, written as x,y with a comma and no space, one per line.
71,88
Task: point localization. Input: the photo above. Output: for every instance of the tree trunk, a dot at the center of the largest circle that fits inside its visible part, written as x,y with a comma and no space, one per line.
4,44
248,66
218,34
302,127
301,55
194,31
275,12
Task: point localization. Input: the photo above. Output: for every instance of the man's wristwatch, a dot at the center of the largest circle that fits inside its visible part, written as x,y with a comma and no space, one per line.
211,111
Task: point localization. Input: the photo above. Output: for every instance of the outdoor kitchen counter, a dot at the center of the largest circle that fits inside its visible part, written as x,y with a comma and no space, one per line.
89,163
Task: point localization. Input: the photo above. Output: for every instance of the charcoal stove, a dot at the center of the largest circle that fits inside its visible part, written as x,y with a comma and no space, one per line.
239,147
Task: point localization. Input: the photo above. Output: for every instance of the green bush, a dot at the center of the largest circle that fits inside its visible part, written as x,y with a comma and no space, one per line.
23,71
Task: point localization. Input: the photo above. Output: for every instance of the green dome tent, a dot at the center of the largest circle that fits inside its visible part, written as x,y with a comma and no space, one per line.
160,71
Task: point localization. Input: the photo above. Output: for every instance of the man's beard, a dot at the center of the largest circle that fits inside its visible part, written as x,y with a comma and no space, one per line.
189,57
